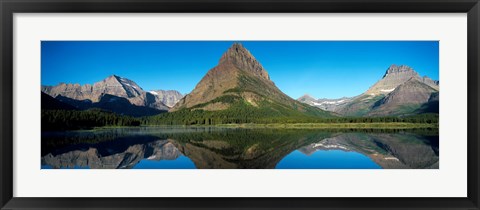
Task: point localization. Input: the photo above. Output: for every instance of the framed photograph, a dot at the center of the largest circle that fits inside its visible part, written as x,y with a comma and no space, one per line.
239,104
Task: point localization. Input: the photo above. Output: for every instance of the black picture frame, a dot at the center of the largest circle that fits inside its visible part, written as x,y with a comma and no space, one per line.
9,7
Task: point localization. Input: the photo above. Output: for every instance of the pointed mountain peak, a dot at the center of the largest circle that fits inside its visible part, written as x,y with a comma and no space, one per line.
113,77
238,45
306,96
132,88
239,56
235,52
238,48
119,79
413,83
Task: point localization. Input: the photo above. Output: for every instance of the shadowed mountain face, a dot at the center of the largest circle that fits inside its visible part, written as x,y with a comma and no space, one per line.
167,97
112,85
111,103
114,93
401,91
407,97
432,106
240,80
214,148
50,103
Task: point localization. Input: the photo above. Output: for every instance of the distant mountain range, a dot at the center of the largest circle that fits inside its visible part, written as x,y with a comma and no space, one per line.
239,87
323,103
114,93
401,91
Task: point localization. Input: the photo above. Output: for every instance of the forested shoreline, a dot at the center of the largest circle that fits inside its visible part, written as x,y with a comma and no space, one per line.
200,117
89,119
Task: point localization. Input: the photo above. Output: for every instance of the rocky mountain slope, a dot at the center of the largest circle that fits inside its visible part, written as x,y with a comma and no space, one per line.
167,97
112,85
240,80
114,93
332,105
397,75
406,98
400,91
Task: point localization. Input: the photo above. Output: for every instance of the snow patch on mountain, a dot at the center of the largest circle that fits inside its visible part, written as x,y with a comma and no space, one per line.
325,104
387,90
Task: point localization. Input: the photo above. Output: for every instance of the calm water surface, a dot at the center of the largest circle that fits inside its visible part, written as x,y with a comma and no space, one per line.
237,148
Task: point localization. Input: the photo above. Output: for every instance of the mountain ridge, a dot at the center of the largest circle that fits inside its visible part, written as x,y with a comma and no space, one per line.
107,93
366,103
239,81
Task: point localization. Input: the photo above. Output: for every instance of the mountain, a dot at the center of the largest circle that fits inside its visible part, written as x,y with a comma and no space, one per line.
239,81
332,105
406,98
308,99
114,93
113,85
50,103
432,83
401,91
395,76
111,103
167,97
432,106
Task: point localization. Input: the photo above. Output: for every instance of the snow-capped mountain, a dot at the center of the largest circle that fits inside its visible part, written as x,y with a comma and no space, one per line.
167,97
332,105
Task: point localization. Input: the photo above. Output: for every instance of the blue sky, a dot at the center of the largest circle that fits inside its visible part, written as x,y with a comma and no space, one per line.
323,69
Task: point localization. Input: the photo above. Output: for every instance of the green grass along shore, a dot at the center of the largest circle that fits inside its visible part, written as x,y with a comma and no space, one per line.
391,125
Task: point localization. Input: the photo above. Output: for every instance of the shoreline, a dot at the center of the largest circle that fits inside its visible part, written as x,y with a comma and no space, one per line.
320,126
393,125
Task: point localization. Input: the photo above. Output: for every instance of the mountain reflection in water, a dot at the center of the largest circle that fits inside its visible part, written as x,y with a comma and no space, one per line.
238,148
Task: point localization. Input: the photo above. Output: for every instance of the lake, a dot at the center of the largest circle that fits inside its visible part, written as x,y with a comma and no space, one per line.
239,148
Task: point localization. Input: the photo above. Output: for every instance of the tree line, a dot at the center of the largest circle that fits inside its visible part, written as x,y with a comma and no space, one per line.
74,119
200,117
